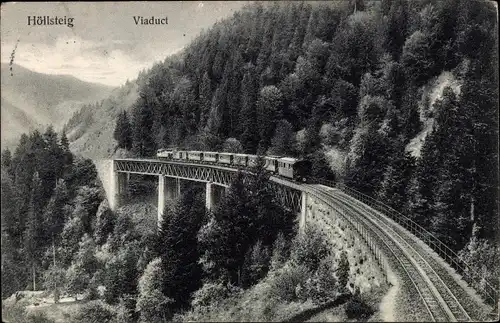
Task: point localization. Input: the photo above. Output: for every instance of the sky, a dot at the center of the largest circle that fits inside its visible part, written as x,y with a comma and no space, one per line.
105,45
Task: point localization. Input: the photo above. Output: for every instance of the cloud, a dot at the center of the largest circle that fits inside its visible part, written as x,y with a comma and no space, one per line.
110,63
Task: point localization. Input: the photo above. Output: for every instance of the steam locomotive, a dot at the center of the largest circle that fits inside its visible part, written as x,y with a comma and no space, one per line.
292,168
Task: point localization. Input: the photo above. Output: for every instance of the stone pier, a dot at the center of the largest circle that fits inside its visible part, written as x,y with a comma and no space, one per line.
169,188
119,189
213,195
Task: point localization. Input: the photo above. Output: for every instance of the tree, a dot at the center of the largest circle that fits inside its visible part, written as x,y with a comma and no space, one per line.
309,249
152,304
120,273
55,213
249,134
256,264
82,268
92,312
71,235
6,159
280,252
10,215
283,143
417,57
15,271
205,99
54,279
105,222
312,138
33,237
179,252
67,155
51,164
232,145
394,187
123,131
268,111
215,121
143,143
225,237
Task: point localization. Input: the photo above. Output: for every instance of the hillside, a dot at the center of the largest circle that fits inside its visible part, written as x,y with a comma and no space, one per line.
31,100
375,90
90,128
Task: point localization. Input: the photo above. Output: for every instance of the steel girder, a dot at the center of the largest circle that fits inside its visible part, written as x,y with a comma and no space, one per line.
289,197
193,172
288,193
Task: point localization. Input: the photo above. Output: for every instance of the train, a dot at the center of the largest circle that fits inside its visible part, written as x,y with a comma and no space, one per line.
288,167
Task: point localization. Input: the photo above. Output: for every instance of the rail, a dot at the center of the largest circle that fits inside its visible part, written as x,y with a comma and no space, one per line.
486,289
364,231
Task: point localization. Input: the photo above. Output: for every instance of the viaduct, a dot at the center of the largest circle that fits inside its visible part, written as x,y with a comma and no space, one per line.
383,245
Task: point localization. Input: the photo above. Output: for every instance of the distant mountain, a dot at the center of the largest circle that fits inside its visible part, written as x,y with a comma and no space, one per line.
33,100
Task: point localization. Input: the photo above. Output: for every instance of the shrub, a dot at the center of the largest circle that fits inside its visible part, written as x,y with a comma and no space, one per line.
309,248
280,252
151,302
256,264
94,312
322,286
125,310
288,281
343,271
38,317
15,313
212,294
356,308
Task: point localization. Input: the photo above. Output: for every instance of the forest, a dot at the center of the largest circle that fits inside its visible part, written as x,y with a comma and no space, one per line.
60,237
397,98
382,86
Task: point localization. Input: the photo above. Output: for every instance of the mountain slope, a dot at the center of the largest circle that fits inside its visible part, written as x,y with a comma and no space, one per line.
90,129
33,100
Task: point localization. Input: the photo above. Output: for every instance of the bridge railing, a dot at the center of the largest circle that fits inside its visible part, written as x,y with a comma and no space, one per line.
485,288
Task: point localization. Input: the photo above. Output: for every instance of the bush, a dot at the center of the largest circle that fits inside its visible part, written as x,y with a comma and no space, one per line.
289,281
309,248
94,312
356,308
280,252
212,294
343,272
152,304
323,286
38,317
15,313
256,264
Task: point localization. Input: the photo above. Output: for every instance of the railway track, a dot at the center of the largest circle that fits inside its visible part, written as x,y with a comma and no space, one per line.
439,300
454,305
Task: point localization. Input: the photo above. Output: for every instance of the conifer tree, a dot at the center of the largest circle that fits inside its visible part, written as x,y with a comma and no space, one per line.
283,142
394,187
6,159
179,252
269,107
123,131
67,155
34,234
143,143
248,121
205,99
56,211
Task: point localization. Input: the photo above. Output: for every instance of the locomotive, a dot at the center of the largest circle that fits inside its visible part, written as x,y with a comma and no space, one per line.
292,168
